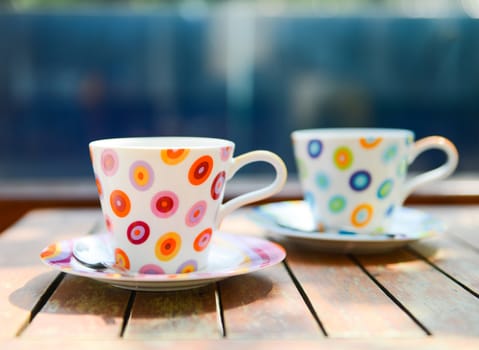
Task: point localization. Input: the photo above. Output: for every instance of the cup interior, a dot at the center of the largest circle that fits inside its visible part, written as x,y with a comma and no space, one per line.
332,133
161,143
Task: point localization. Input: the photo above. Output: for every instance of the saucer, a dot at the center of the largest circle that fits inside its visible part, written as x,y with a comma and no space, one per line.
293,221
230,255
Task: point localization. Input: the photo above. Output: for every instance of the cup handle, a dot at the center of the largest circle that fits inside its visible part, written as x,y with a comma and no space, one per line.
439,173
257,195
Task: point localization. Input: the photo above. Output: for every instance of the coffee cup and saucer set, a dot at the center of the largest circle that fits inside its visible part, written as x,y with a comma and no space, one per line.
354,183
162,203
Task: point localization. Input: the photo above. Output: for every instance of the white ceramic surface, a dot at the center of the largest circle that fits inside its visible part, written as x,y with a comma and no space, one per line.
231,255
293,221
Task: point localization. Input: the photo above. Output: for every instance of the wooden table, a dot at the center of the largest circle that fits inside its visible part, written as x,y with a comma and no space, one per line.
423,296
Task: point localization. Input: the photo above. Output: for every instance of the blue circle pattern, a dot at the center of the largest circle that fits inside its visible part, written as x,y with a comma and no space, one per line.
360,180
389,211
309,198
322,181
390,153
315,147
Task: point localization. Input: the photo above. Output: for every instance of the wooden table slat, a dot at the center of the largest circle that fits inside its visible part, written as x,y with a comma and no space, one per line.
24,279
436,301
189,314
347,302
84,308
266,304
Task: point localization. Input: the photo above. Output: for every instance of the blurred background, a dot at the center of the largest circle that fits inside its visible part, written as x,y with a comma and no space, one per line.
249,71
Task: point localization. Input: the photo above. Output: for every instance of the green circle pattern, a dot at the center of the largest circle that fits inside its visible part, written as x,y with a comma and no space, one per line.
337,204
385,188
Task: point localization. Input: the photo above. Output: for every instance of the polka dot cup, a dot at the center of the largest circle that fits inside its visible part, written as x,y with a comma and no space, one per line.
353,179
162,197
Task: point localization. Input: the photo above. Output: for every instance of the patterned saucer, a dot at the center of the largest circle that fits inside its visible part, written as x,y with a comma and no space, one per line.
230,255
293,220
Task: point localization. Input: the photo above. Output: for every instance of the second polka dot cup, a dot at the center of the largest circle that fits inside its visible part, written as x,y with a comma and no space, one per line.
353,179
162,197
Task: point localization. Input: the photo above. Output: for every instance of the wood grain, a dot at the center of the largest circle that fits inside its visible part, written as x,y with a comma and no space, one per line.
266,304
437,302
346,301
81,308
23,277
189,314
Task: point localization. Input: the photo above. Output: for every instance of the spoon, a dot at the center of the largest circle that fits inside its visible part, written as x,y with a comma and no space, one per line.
93,252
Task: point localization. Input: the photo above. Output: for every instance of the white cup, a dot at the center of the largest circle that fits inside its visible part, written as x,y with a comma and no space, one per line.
354,178
161,197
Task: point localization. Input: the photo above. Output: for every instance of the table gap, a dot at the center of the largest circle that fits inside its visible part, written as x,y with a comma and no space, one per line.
42,301
305,297
389,295
127,314
219,310
437,268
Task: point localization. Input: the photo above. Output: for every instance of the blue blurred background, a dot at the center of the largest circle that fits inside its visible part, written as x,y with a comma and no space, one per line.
244,72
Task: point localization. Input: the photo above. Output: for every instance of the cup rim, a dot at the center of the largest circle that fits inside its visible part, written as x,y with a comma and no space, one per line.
161,142
332,133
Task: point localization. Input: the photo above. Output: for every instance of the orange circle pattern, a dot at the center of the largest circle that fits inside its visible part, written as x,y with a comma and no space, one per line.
168,246
202,240
200,170
369,143
121,259
174,156
343,158
362,215
120,203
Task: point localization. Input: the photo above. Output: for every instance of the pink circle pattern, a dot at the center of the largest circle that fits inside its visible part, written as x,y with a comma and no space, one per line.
196,213
164,204
109,162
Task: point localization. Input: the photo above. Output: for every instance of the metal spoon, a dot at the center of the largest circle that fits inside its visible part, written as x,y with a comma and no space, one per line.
92,252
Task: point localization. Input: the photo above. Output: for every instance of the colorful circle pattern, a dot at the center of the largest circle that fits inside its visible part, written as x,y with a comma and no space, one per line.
343,177
337,204
315,147
360,180
174,156
226,153
151,269
99,187
390,153
164,204
200,170
121,259
168,246
202,240
196,213
109,162
362,215
218,185
343,158
188,267
120,203
322,181
141,175
370,142
138,232
385,188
